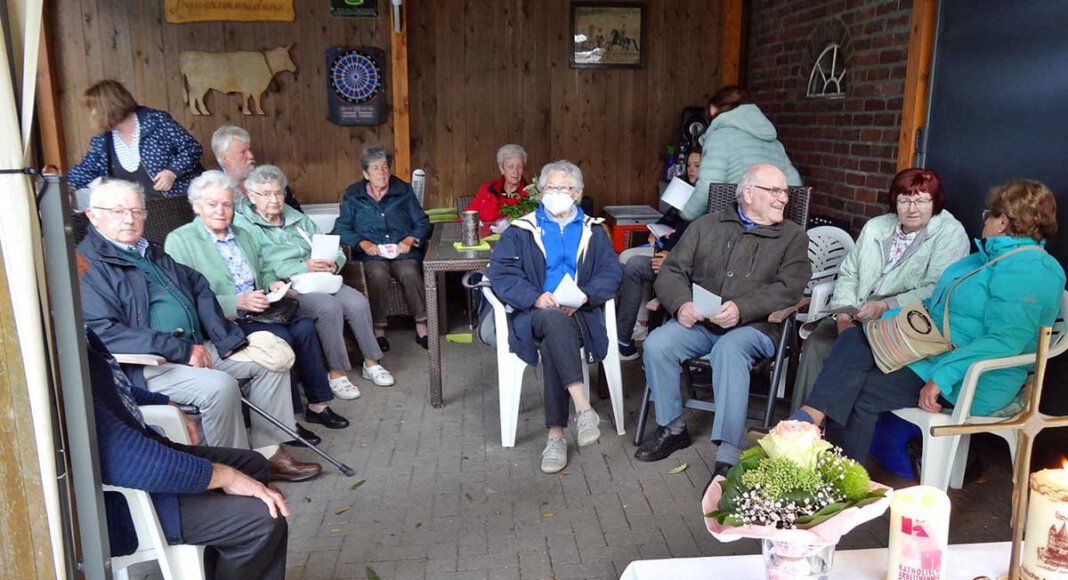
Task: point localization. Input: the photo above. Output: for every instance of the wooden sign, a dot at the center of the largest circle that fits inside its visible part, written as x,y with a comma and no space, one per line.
179,11
247,73
354,8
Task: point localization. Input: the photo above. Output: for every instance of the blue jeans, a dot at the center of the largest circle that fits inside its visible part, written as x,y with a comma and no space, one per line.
731,354
308,363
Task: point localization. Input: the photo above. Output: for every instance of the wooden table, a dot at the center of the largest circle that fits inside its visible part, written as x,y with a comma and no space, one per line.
963,562
441,257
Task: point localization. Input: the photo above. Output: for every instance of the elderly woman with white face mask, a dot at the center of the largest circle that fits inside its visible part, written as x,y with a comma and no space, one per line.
529,262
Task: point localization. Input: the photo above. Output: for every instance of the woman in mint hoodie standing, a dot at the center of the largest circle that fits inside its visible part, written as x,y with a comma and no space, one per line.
1006,291
738,137
896,262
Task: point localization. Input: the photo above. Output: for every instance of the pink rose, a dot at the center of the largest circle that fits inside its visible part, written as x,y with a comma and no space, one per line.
797,441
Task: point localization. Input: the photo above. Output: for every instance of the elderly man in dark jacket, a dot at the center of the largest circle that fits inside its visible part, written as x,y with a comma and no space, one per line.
242,524
757,263
527,266
140,301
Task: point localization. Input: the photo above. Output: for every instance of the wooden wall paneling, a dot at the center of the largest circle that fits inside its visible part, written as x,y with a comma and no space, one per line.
423,40
730,56
917,78
49,107
402,142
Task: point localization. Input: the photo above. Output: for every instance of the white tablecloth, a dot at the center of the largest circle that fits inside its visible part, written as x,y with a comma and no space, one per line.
965,562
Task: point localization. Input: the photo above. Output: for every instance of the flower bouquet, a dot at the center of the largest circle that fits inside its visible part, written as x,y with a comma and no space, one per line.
528,202
799,495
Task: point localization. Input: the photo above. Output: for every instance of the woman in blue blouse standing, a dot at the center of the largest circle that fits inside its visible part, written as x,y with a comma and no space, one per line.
381,219
136,144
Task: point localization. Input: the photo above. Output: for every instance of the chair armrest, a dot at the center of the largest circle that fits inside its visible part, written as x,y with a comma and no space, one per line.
780,315
145,360
500,320
821,299
167,418
962,409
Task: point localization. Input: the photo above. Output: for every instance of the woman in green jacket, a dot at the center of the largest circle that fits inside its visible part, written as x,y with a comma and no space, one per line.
994,312
283,236
896,262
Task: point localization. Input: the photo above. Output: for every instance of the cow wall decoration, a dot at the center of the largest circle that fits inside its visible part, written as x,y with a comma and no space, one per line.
247,73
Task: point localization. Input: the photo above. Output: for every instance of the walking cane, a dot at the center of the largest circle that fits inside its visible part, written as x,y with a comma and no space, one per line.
341,466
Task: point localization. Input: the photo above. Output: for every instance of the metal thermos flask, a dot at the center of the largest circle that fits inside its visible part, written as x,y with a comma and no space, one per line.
469,228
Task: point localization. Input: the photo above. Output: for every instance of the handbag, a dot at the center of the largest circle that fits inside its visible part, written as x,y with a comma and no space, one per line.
911,334
281,312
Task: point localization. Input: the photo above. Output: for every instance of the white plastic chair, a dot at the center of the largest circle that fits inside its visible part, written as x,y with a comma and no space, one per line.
944,458
828,247
178,562
510,369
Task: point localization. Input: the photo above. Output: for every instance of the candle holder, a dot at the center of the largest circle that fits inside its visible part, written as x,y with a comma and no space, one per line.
1028,423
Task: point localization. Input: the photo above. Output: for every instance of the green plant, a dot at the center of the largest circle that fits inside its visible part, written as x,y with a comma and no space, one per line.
528,202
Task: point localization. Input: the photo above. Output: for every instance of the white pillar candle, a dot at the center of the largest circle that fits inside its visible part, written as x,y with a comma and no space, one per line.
919,533
1045,554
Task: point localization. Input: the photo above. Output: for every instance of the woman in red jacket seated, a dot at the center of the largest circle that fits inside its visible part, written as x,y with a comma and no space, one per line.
506,189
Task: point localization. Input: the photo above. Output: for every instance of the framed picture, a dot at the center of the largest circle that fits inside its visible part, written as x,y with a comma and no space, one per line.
607,35
353,8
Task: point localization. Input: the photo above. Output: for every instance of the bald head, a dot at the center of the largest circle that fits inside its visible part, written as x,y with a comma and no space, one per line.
762,193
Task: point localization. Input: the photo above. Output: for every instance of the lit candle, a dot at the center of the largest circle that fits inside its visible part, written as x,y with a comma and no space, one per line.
919,533
1045,554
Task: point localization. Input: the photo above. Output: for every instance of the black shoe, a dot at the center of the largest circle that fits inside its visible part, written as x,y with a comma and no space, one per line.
308,435
662,444
327,418
382,343
720,468
423,341
627,351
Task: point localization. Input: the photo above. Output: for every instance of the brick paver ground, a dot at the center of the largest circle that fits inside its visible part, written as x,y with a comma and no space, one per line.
437,497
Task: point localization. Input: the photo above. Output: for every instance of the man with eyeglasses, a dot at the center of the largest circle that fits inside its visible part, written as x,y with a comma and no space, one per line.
140,301
757,263
232,147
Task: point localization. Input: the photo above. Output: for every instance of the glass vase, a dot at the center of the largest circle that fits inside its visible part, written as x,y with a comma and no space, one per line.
797,561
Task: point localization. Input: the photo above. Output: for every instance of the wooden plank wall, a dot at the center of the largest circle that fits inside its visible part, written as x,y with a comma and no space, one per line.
488,73
481,74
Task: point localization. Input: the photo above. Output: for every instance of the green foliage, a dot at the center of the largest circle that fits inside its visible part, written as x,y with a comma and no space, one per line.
528,203
848,477
781,476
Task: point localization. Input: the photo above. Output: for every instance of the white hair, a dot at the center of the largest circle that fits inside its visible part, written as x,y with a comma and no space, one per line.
99,188
510,150
265,174
566,167
749,178
220,139
209,179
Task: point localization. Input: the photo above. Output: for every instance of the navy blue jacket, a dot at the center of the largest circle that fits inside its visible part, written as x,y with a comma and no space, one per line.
135,457
115,305
164,144
517,276
397,216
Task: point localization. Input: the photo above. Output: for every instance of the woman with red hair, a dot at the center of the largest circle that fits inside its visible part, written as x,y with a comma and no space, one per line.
896,261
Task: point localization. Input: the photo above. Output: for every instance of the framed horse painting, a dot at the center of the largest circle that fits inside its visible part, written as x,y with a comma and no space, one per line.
607,35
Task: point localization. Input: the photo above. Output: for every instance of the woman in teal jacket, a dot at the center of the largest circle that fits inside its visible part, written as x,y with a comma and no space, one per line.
993,313
738,137
898,258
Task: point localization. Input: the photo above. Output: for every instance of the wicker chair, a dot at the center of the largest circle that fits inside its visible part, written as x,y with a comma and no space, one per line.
353,276
462,201
164,216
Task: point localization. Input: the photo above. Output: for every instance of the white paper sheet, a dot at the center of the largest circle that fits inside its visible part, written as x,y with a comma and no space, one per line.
325,247
568,294
706,303
388,251
660,230
678,192
279,293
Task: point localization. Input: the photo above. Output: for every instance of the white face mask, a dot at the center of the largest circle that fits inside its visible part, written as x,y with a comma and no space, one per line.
557,204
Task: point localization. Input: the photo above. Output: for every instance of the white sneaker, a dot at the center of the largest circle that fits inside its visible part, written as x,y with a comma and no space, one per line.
554,458
344,389
589,430
378,375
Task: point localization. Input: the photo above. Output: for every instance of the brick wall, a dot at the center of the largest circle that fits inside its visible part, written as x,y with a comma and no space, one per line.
846,147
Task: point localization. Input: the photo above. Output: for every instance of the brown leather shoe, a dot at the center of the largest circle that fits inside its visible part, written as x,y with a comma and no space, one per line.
285,467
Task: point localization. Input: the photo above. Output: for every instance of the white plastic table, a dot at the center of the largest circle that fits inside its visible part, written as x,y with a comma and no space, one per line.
965,562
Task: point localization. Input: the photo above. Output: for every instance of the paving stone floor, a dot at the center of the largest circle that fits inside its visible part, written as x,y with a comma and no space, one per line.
437,497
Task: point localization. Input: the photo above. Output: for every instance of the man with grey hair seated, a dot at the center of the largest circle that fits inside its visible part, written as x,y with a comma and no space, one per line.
140,301
757,263
232,147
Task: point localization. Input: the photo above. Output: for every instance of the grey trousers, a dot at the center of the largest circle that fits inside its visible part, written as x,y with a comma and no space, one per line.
217,393
331,312
409,273
814,353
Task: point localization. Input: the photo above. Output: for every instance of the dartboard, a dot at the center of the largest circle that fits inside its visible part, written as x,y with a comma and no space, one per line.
354,76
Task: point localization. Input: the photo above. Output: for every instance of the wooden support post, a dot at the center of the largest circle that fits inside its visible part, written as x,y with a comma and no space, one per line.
917,78
49,116
402,132
730,42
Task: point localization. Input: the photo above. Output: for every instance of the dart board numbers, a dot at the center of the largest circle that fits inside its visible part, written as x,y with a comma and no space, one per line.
355,86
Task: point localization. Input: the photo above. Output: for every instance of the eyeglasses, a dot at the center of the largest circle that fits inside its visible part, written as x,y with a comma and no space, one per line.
558,188
987,214
775,191
122,212
269,194
918,202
